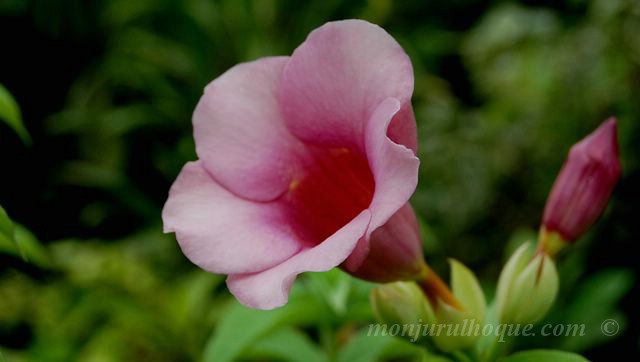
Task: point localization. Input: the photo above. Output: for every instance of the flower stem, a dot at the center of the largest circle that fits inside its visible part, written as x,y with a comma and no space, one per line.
550,242
495,349
435,288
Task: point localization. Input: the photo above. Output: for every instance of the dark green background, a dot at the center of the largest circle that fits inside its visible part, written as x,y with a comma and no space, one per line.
107,88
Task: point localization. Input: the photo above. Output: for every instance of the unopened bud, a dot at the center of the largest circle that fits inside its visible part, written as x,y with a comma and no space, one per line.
401,303
582,189
527,287
467,291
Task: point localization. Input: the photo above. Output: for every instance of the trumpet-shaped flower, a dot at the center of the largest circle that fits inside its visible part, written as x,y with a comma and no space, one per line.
305,163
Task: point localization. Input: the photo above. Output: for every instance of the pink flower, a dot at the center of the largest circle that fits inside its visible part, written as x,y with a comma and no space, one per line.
582,189
303,162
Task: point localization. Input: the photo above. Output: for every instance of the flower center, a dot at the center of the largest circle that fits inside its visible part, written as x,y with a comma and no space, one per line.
336,186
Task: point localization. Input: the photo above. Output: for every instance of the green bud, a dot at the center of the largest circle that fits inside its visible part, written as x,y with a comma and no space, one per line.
450,326
467,290
456,333
527,286
401,303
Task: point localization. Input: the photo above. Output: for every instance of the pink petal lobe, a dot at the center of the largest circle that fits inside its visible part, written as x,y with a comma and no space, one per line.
395,171
240,134
402,129
270,289
220,232
337,77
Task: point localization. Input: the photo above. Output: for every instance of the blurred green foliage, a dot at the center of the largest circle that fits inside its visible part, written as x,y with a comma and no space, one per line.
503,89
10,114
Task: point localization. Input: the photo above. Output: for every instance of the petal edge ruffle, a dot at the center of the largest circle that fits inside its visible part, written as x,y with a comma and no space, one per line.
220,232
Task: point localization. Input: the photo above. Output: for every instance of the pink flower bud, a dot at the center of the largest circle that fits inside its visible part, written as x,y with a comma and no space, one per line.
395,251
582,189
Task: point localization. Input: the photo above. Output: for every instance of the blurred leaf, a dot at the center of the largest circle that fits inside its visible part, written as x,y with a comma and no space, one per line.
518,238
17,240
365,348
358,305
541,355
13,6
7,234
596,301
190,297
286,345
34,251
507,25
502,90
10,113
114,121
118,13
333,287
241,326
126,263
93,175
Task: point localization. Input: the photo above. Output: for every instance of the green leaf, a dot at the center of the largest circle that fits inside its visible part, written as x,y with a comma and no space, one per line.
23,244
542,355
333,287
286,345
190,298
595,302
365,348
10,113
242,327
8,240
34,251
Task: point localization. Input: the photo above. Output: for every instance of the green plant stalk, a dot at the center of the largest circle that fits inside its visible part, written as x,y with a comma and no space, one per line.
327,339
462,356
495,349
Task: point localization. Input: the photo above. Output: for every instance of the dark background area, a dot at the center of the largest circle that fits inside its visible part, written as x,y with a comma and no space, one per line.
106,89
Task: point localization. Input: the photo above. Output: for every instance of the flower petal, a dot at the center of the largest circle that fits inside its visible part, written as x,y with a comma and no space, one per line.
395,171
337,77
240,135
221,232
402,129
270,289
